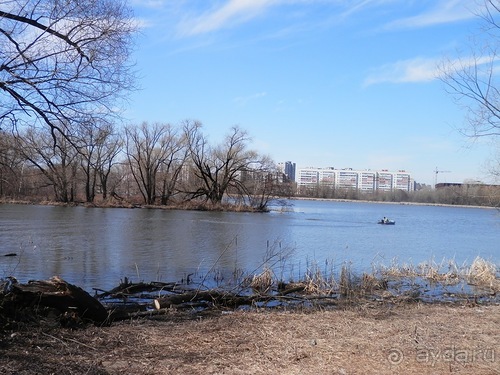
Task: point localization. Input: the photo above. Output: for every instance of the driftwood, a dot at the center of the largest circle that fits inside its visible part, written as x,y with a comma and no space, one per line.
60,295
128,300
128,289
219,298
214,296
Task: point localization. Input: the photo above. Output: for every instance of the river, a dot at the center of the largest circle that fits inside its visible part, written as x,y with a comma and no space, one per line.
97,247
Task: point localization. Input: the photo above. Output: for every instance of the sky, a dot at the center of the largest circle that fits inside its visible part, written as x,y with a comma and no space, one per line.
321,83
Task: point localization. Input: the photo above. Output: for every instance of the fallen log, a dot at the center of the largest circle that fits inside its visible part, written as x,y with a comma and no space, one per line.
218,298
60,295
221,298
127,289
299,288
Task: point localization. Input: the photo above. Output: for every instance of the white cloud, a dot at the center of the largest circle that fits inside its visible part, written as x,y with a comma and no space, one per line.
229,13
422,69
445,11
361,5
155,4
233,12
404,71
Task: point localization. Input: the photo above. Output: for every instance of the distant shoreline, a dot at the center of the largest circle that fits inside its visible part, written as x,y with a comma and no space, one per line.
228,208
393,203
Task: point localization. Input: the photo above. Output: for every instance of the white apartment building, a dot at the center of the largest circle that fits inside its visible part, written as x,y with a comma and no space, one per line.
366,181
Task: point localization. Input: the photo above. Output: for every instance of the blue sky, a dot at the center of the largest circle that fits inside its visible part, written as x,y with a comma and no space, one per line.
340,83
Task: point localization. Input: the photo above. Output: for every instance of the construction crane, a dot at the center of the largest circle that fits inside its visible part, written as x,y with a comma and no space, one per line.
437,171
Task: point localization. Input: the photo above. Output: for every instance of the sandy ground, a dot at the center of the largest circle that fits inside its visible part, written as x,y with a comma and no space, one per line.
407,339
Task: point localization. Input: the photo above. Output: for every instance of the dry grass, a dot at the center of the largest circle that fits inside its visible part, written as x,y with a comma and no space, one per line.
434,272
461,282
370,284
483,274
480,273
388,334
263,282
316,283
369,339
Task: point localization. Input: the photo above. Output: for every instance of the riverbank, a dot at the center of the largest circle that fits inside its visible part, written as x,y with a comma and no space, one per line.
188,206
285,203
412,338
392,203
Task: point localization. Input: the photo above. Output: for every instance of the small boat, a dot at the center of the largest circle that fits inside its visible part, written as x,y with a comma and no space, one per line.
387,222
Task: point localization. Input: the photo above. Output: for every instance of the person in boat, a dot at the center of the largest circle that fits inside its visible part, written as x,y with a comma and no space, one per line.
385,220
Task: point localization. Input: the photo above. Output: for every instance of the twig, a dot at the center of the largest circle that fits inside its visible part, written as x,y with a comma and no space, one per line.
55,338
69,339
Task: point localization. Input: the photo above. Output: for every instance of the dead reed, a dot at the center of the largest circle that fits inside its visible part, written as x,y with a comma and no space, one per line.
483,274
345,283
263,282
274,276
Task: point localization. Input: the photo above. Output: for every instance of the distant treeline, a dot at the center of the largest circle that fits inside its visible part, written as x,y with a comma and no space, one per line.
146,164
459,194
170,165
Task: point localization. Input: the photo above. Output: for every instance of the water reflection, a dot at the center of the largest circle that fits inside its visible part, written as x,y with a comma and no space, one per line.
96,247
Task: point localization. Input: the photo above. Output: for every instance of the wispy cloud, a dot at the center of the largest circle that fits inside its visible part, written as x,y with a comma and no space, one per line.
405,71
242,100
352,7
232,13
217,15
236,12
155,4
444,11
427,69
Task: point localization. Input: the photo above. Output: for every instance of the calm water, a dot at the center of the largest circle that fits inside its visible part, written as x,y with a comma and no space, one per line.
95,247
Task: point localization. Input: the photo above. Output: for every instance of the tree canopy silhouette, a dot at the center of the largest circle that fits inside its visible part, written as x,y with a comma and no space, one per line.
63,61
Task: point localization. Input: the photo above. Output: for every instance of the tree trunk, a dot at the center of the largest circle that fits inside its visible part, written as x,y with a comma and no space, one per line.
57,293
219,298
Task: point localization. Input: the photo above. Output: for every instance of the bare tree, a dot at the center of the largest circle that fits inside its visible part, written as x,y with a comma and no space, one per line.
474,81
108,150
220,168
88,137
98,146
173,164
151,150
58,165
63,62
11,166
262,182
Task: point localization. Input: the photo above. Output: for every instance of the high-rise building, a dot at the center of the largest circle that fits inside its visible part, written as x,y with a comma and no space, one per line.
366,181
288,170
